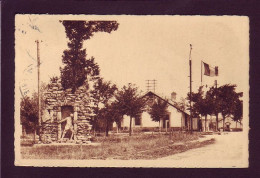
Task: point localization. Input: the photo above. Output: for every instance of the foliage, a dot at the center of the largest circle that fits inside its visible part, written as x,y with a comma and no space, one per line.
182,104
102,91
77,67
224,100
213,95
228,98
29,112
102,94
158,110
139,146
29,108
238,111
130,102
110,114
201,104
54,79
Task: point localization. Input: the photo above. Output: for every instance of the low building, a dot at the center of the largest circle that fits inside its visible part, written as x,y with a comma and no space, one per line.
211,123
176,118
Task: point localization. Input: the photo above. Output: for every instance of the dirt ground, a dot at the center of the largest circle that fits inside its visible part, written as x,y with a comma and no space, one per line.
229,150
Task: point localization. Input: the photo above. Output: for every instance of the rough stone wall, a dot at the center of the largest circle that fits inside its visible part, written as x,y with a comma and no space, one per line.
56,98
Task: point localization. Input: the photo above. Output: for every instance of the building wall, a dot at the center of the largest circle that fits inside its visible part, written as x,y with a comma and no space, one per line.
56,98
175,120
147,120
211,123
175,117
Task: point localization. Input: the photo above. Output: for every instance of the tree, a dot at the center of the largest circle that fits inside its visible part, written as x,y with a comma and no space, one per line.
130,102
214,100
29,113
182,104
201,105
238,111
77,67
110,114
194,98
227,98
158,111
29,109
102,94
117,113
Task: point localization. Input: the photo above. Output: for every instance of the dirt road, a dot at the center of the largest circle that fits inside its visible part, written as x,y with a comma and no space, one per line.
229,150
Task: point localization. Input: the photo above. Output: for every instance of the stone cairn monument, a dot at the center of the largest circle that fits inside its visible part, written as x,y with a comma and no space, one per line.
57,100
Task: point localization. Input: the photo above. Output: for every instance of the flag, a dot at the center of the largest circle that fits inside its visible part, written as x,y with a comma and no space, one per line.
209,71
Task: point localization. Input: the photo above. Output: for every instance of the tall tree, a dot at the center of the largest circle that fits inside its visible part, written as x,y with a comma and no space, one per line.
159,111
102,93
201,105
227,97
238,111
193,98
29,113
29,109
109,114
130,103
76,66
214,100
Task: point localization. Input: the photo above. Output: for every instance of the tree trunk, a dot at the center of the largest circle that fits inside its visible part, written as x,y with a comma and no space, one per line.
217,121
94,129
130,128
223,123
166,123
191,124
206,123
23,130
34,135
107,128
160,126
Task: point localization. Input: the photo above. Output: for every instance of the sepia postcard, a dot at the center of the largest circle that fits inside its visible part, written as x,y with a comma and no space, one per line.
131,91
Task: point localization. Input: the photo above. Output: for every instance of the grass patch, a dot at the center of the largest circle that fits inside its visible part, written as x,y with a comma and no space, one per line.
121,146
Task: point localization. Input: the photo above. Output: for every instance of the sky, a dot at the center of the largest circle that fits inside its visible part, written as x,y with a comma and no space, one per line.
142,48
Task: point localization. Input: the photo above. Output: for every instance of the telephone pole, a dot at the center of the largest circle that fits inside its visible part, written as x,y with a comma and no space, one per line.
216,86
150,85
154,84
190,89
39,97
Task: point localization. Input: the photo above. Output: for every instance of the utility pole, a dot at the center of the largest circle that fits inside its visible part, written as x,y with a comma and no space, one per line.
150,85
39,97
190,88
154,84
216,86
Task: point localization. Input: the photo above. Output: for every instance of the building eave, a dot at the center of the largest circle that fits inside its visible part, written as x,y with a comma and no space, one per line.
150,92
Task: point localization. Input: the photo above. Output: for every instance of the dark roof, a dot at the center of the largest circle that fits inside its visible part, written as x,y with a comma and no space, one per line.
152,93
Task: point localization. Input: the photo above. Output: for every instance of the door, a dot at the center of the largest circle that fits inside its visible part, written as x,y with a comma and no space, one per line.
65,112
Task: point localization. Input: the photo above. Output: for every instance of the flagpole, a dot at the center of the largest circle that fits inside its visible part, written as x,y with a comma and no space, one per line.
201,73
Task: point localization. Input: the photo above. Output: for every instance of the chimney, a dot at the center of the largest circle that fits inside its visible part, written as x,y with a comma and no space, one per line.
173,96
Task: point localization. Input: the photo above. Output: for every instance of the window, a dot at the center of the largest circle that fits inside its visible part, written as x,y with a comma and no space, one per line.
138,121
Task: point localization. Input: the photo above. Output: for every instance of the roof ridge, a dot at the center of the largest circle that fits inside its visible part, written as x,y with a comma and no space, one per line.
166,101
